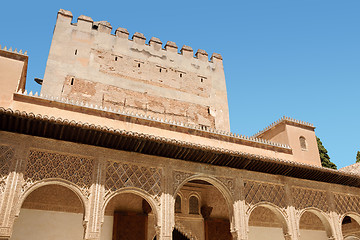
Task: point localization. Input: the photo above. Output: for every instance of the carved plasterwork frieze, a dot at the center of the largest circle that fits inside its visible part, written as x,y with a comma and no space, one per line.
347,203
304,198
6,159
179,177
256,192
44,164
120,175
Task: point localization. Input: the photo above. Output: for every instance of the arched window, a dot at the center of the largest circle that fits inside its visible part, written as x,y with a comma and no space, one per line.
178,204
193,205
303,144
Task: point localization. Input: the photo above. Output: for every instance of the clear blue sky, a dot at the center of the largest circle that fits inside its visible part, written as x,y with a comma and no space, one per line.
299,58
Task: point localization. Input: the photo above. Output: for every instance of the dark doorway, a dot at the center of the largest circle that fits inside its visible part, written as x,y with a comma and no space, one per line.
176,235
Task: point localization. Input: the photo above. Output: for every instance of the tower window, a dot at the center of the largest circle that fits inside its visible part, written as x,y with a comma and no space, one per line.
115,58
180,74
72,81
303,143
138,64
75,51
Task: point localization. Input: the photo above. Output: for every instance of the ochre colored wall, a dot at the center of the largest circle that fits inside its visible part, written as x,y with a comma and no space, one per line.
312,235
11,71
261,233
44,225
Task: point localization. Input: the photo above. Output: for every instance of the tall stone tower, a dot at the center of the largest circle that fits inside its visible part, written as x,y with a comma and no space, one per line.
87,63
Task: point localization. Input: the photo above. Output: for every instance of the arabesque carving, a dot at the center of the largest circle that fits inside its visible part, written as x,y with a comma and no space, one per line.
120,175
256,192
229,183
347,203
179,177
6,157
304,198
43,165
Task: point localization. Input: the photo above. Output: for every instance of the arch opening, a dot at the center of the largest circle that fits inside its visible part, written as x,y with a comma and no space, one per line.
350,227
50,212
266,222
205,210
128,216
313,225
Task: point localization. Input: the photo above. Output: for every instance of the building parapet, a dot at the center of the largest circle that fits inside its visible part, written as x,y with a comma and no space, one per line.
13,51
281,120
66,101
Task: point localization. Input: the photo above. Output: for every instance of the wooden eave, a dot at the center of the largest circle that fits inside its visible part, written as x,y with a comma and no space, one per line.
77,132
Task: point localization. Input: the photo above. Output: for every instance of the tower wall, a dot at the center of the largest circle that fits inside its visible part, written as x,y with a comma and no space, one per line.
87,63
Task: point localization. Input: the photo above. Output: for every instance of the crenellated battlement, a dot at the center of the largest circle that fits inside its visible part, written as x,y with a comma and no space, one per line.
10,50
87,23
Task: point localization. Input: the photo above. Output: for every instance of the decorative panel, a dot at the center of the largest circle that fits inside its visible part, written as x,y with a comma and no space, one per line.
119,175
303,198
179,178
229,183
347,203
256,192
43,165
6,159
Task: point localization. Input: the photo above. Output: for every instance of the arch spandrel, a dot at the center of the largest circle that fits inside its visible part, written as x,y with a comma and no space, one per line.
263,192
121,175
43,164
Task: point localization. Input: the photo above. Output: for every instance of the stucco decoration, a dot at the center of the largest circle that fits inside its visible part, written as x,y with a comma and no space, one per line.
256,192
44,165
120,175
304,198
186,232
6,157
347,203
229,183
179,178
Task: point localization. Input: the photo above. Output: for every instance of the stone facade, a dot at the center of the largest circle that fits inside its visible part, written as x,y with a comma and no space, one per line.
86,171
115,72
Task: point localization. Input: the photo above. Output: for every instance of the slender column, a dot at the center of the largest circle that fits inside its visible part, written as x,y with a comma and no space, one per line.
293,219
92,221
167,217
11,195
7,208
240,228
240,231
166,221
335,218
293,231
